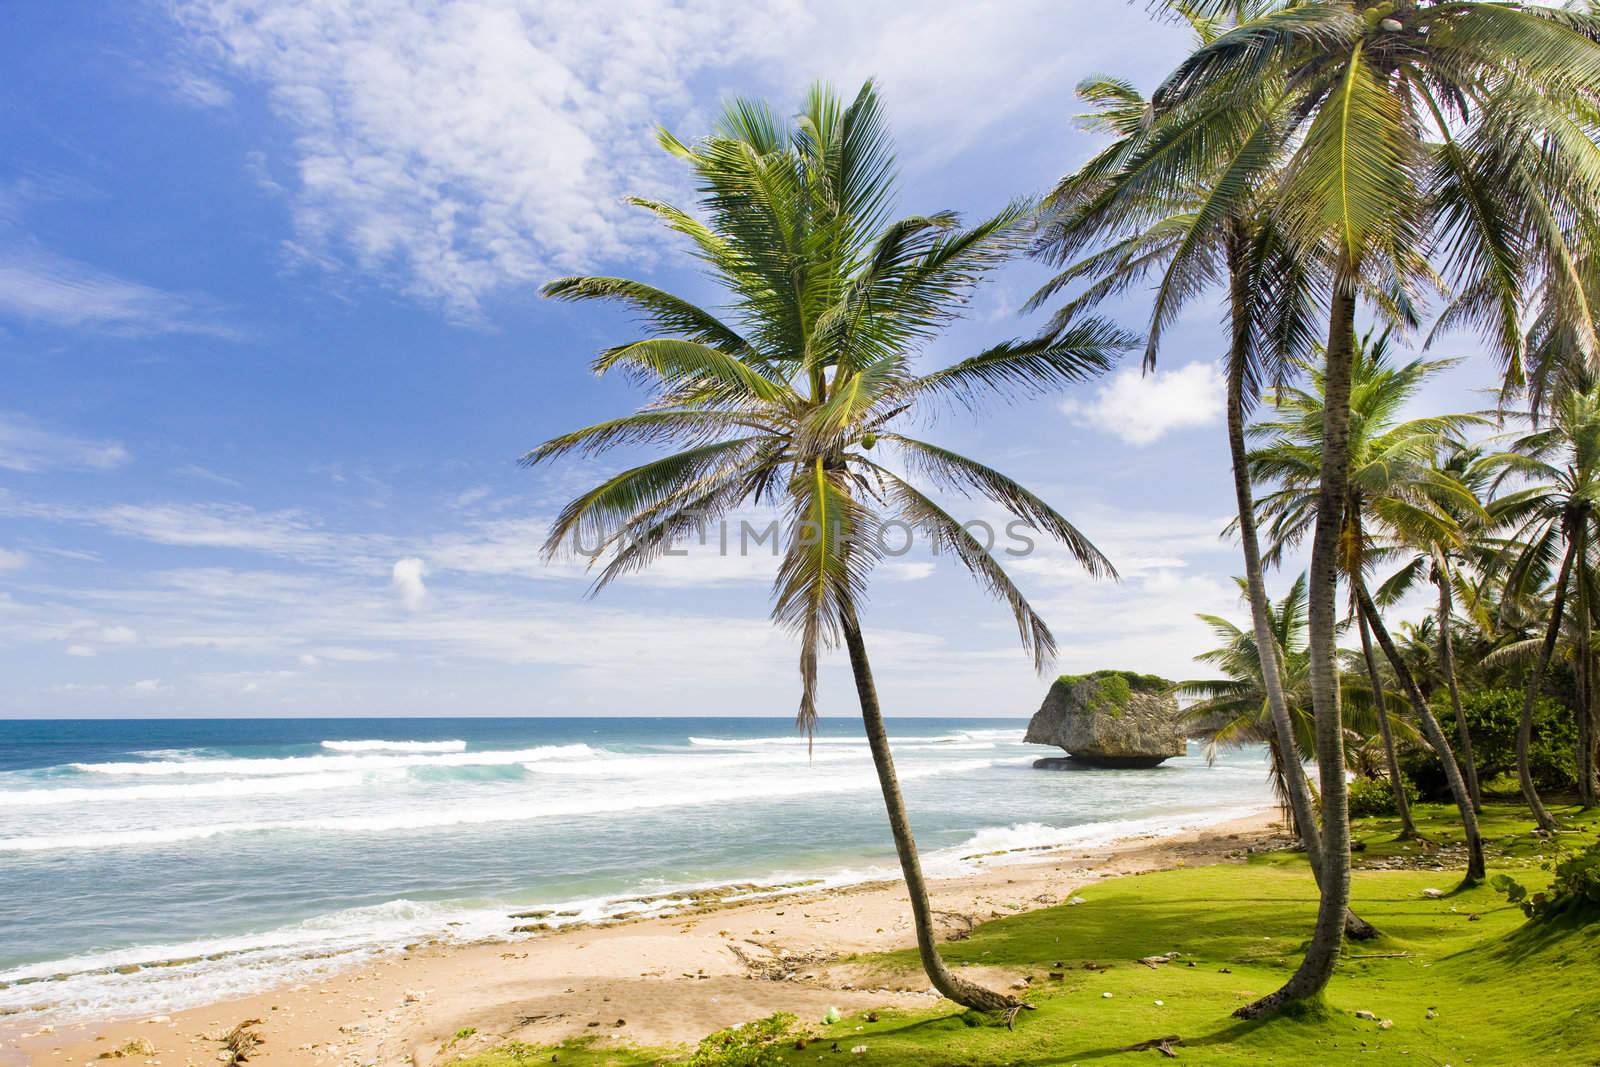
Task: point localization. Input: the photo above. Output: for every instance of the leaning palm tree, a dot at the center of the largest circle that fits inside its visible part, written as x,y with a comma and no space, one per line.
793,399
1554,516
1392,487
1399,129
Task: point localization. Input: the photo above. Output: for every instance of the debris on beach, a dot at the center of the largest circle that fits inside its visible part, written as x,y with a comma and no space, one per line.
138,1046
772,964
240,1043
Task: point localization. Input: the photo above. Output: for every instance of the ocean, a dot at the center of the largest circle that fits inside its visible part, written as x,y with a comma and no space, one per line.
152,865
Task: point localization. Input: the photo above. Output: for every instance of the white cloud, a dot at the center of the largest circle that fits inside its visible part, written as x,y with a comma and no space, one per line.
1142,408
147,685
407,578
460,148
40,287
119,635
25,445
84,651
11,561
905,572
471,145
288,534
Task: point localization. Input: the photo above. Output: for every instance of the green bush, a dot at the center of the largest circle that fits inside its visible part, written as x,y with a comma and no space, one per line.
1492,717
1374,796
1574,890
756,1044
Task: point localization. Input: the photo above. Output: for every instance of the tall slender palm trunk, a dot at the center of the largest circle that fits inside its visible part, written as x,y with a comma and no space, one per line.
1434,733
944,980
1408,829
1285,749
1327,939
1447,666
1530,792
1585,672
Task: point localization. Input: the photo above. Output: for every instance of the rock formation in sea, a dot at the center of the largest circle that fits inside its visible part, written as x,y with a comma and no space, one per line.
1109,719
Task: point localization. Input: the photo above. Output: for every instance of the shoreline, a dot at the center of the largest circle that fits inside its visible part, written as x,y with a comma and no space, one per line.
650,980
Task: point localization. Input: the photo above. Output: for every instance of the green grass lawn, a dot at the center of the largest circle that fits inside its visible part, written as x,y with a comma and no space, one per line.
1486,990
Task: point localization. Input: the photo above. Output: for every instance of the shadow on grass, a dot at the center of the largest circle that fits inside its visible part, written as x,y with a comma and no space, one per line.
1573,935
1226,1031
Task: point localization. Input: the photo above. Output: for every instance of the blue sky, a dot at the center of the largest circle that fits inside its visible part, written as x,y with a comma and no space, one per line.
271,340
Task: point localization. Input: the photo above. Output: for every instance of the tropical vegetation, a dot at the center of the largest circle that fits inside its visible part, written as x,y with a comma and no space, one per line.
1345,179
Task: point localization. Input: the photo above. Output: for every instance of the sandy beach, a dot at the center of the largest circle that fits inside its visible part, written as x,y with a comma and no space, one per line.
655,981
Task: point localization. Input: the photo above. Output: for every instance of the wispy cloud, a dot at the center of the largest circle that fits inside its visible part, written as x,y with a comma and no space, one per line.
39,287
284,534
26,445
205,474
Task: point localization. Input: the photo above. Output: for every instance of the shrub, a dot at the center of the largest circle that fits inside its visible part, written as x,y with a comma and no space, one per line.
1492,717
1575,889
1374,796
756,1044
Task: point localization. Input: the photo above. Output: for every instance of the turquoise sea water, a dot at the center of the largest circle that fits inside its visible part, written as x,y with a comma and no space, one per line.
283,848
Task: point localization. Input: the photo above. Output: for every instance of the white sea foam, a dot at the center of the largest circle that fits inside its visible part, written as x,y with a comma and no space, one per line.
984,738
240,965
675,765
1000,844
395,746
761,742
349,762
228,787
649,797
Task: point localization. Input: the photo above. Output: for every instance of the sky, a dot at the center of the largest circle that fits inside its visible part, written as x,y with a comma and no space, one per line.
271,345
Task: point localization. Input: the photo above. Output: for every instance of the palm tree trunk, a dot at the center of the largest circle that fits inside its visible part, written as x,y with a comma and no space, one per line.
1280,787
1583,669
1434,733
1447,665
1408,829
1585,762
1327,939
1286,750
947,983
1530,792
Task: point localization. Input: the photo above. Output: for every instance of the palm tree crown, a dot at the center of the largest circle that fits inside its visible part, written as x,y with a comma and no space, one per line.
785,400
1393,480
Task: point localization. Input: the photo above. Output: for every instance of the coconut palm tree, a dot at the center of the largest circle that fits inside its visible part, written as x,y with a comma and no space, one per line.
1234,709
1393,487
1554,517
1399,128
1271,303
793,399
